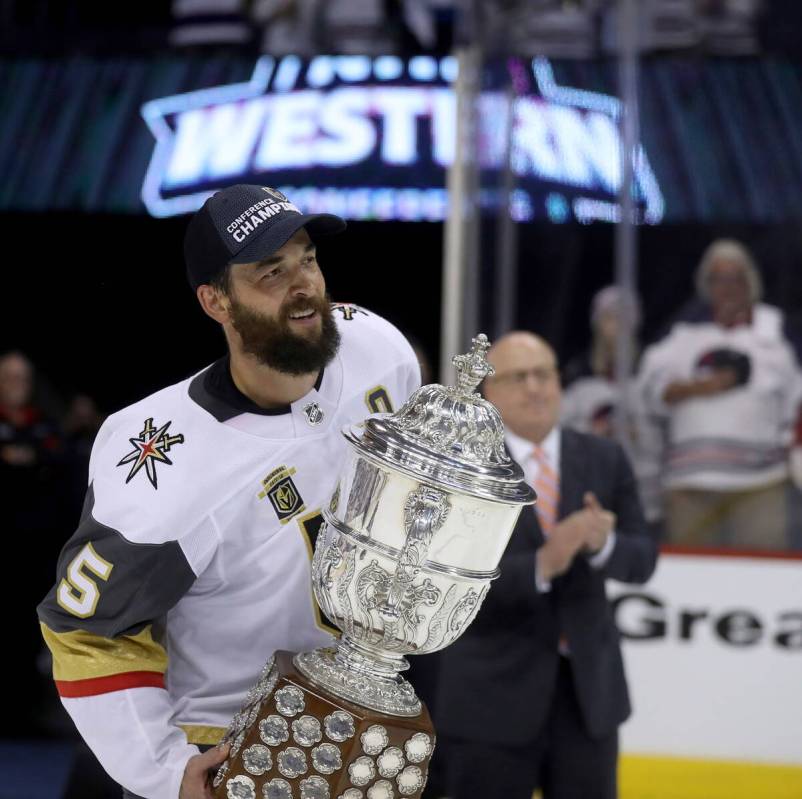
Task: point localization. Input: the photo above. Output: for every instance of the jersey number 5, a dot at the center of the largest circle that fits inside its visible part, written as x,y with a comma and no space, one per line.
77,593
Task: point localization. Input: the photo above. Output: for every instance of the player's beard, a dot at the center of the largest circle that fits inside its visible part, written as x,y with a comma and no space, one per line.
271,341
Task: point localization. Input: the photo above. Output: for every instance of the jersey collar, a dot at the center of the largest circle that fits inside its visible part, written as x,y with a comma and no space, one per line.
215,391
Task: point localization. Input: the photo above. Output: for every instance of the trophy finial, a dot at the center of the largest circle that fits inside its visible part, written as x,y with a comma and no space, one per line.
473,367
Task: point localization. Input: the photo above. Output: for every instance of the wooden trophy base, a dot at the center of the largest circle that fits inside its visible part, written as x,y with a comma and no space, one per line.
299,742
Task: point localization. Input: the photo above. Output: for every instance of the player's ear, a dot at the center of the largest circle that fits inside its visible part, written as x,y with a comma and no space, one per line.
214,302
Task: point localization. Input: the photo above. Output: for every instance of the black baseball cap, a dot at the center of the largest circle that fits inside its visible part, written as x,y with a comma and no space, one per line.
245,223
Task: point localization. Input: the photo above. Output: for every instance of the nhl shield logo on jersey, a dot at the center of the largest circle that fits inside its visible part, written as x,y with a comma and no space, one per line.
314,414
283,494
150,448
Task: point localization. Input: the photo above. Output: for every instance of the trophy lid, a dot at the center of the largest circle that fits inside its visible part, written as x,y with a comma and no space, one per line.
449,436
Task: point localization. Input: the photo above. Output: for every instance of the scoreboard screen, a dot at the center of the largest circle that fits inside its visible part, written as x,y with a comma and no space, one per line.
372,138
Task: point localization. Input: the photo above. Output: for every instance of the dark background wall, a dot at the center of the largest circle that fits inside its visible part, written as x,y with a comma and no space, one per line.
101,305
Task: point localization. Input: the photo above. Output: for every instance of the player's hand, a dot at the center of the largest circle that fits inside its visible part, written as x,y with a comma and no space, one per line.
598,523
197,781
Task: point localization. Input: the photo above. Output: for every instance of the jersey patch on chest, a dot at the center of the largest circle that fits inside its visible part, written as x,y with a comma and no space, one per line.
283,494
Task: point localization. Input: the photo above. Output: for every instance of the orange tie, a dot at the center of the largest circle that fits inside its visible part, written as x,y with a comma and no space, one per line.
547,487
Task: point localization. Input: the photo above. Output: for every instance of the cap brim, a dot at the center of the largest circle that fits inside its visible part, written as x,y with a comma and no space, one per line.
279,233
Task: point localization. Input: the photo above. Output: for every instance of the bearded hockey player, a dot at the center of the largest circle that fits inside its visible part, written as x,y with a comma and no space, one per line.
191,562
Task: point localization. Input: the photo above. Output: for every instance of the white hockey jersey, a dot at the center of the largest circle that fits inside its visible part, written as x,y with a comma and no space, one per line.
191,564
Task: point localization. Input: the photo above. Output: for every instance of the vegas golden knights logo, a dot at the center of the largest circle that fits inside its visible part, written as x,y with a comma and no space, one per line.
150,447
283,494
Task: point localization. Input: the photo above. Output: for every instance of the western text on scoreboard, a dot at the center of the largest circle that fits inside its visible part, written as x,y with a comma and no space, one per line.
371,138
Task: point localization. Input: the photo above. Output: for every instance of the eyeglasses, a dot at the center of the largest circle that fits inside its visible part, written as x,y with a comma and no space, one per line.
518,379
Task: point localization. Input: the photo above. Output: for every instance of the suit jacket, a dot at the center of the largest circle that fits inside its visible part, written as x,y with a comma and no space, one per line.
496,681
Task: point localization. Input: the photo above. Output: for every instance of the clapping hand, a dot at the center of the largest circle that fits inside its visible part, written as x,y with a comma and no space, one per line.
583,530
598,523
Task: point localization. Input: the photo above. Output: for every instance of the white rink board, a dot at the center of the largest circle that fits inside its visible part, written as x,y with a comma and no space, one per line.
727,685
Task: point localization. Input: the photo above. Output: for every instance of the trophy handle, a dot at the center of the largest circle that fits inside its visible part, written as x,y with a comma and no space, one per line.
425,512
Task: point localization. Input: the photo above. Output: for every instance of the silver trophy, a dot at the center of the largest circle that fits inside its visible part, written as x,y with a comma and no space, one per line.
411,541
425,506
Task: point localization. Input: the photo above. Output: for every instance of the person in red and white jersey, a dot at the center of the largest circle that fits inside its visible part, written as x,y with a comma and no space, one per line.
191,562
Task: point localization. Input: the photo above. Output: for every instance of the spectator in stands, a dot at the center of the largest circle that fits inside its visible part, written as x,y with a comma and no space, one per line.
29,448
728,389
592,399
27,438
591,394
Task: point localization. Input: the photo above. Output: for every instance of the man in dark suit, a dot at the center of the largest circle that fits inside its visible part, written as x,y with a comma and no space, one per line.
533,693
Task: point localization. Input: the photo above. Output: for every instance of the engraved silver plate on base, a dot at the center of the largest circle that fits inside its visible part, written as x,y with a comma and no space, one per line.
277,789
374,739
390,761
274,730
306,731
339,726
290,700
361,771
326,758
410,780
418,747
256,760
241,787
292,762
381,790
314,788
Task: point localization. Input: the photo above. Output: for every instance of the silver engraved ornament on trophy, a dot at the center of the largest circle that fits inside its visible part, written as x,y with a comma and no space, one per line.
426,502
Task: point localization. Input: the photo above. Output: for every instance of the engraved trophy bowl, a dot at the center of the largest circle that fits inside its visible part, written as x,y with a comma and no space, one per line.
412,538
